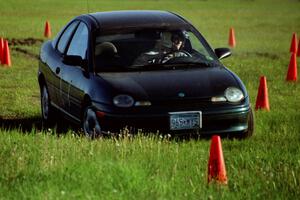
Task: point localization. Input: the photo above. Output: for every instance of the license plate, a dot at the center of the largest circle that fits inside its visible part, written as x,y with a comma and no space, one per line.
185,120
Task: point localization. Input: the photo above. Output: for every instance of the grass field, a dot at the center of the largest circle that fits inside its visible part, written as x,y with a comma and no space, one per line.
43,165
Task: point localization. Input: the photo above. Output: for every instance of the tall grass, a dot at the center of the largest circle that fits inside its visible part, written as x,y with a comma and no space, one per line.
45,165
38,165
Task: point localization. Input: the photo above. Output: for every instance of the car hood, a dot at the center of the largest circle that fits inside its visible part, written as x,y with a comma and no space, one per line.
190,83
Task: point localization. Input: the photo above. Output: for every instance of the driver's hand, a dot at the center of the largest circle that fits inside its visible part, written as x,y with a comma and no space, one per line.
152,61
167,58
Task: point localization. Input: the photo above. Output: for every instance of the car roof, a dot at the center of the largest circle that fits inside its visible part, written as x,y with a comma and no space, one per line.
118,20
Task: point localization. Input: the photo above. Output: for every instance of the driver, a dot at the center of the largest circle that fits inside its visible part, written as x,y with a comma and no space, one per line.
178,40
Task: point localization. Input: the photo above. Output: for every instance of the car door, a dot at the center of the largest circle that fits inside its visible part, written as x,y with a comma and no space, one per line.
75,76
58,65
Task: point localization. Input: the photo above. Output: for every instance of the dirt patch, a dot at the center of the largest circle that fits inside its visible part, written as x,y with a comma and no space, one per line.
24,41
267,55
16,45
26,52
261,54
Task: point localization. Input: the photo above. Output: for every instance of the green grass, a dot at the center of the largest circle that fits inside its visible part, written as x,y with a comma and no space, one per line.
39,165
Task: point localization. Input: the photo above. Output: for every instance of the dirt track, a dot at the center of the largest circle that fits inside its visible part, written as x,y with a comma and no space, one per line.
16,45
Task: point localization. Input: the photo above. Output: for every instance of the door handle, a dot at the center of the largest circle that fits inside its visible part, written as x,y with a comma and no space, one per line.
57,70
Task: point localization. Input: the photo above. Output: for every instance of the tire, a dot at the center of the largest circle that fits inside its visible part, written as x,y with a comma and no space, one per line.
250,130
90,124
47,109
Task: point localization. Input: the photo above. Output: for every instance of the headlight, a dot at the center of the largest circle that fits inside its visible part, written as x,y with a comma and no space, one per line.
233,94
123,101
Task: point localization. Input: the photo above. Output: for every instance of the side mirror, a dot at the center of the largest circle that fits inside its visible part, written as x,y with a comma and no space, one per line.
75,61
222,53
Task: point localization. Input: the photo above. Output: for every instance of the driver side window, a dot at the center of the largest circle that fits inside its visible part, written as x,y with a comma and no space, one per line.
65,37
79,43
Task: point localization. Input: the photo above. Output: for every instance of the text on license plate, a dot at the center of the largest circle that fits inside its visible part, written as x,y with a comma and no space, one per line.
185,120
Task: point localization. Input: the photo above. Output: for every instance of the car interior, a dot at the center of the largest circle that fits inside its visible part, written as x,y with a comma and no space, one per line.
124,50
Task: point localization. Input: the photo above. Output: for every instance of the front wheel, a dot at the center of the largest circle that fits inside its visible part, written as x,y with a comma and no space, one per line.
250,130
90,123
47,110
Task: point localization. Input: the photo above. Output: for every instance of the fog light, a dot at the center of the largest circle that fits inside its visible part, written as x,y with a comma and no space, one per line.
100,114
218,99
142,103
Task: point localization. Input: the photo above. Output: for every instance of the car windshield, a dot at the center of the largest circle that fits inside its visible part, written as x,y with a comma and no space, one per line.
150,50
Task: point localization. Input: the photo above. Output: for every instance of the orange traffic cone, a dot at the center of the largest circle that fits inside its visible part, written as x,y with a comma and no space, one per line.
216,164
1,50
262,100
6,55
47,32
298,50
293,48
231,40
292,71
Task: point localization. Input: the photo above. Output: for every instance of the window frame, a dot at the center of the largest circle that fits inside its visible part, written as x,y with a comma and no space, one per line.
89,45
72,37
69,39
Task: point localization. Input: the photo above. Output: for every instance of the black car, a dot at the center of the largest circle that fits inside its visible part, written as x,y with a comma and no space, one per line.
148,70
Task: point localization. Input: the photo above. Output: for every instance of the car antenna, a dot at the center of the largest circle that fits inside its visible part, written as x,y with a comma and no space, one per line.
88,7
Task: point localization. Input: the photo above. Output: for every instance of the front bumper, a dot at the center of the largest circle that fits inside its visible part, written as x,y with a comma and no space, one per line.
232,121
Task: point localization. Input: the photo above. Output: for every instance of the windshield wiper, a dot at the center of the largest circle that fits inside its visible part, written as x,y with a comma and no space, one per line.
148,66
204,63
156,66
174,65
196,64
193,64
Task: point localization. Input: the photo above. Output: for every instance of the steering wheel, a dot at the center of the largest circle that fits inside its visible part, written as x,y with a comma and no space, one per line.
178,54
